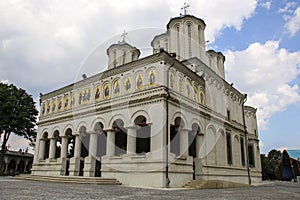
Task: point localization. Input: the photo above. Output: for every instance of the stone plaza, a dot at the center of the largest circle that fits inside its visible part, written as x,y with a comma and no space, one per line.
20,189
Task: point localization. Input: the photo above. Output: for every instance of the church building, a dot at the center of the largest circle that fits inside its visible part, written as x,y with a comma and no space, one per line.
158,121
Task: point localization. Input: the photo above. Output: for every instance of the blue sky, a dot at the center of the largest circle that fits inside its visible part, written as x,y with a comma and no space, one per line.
43,45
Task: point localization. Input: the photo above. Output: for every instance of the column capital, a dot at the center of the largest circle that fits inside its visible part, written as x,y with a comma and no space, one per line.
109,130
75,133
130,127
184,129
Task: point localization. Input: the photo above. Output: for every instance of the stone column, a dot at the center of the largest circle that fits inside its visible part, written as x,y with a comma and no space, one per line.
6,167
52,148
77,150
75,161
64,147
90,161
131,140
110,144
184,142
199,143
93,144
63,155
42,149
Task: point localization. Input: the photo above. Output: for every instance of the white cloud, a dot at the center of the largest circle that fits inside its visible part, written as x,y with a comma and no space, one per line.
266,5
43,38
288,7
266,73
43,43
293,23
221,14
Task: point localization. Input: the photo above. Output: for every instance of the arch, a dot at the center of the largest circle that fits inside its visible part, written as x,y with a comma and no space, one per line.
82,129
221,131
175,26
45,135
67,127
55,133
114,118
43,131
194,143
120,136
80,124
143,134
55,130
196,121
189,22
210,144
68,132
140,113
180,115
97,120
175,136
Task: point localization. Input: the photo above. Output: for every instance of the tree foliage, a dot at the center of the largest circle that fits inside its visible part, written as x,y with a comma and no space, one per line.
270,165
17,114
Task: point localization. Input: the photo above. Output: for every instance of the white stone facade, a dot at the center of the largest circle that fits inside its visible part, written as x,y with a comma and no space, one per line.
158,121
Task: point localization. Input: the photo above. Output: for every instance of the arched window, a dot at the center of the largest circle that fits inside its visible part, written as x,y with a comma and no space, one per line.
57,144
175,137
71,143
178,40
229,148
192,140
189,39
121,137
85,142
242,150
143,135
47,145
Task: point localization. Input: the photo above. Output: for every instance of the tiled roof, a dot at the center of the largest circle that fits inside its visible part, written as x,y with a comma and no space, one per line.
18,153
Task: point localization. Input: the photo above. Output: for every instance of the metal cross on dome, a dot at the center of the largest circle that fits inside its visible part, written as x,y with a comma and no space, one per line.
123,35
185,8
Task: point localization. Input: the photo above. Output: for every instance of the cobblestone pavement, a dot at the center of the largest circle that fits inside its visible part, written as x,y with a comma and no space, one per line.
21,189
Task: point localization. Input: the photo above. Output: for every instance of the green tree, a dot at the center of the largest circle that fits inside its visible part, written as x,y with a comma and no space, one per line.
270,164
17,115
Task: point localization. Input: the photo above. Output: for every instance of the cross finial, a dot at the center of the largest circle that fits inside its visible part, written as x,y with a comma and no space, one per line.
123,35
185,8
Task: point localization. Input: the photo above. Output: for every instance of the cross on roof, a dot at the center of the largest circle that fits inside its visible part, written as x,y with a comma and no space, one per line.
185,8
123,35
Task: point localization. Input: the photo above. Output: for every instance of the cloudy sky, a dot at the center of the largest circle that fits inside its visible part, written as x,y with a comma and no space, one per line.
44,45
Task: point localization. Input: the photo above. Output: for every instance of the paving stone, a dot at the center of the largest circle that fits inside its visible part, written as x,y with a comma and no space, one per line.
24,189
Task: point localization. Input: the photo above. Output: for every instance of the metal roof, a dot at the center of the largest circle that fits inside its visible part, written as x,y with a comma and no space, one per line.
295,154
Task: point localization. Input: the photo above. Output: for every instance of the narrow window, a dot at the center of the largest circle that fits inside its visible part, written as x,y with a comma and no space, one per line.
229,148
251,155
124,57
190,40
178,41
115,58
243,151
228,115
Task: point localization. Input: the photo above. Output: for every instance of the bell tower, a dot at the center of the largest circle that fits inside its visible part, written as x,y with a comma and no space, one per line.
121,53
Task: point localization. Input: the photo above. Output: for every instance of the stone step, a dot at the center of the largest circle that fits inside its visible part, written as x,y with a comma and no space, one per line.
70,179
213,184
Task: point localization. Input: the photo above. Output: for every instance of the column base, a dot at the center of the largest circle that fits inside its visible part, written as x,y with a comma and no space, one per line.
89,166
74,166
